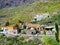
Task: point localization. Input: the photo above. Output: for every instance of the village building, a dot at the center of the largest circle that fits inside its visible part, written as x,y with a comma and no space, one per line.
9,30
10,27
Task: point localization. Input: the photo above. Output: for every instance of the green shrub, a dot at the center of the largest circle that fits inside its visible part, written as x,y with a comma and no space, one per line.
23,32
49,41
57,32
7,23
17,41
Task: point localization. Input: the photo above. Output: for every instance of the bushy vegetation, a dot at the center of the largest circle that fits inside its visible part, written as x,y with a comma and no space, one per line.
49,41
17,41
57,32
51,20
7,23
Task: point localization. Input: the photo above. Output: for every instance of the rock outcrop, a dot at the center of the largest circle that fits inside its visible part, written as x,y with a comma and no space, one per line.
10,3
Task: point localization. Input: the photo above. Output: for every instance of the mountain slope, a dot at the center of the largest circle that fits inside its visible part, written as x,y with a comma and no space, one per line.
27,12
12,3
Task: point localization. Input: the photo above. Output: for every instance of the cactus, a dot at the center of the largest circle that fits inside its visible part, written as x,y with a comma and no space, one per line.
57,32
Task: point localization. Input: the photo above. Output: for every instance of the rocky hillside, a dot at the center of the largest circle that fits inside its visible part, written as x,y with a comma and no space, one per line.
10,3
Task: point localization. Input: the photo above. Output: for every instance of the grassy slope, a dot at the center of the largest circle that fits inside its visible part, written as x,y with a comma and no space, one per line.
53,18
27,12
